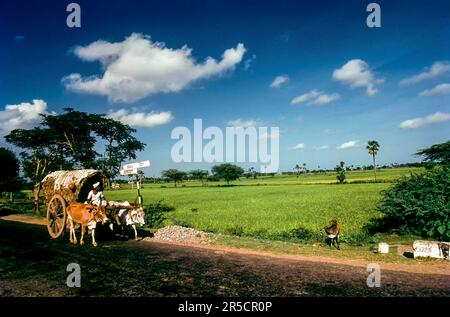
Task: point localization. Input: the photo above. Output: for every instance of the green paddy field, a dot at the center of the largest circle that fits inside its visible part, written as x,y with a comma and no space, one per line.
279,207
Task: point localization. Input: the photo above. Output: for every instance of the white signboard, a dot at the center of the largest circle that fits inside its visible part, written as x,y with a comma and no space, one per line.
137,165
128,171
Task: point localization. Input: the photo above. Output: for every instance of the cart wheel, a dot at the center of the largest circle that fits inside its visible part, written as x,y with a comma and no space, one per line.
56,216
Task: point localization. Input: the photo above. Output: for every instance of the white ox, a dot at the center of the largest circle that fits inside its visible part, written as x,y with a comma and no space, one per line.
126,217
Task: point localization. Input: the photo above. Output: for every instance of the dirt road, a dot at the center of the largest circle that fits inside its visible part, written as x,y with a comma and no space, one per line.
33,264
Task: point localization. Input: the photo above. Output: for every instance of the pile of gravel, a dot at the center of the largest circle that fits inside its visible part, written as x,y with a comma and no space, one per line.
180,234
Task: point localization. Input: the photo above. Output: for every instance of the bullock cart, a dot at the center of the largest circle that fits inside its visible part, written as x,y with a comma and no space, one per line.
60,188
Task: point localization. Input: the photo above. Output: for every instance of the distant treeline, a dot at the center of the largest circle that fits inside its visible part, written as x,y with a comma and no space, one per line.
359,168
254,174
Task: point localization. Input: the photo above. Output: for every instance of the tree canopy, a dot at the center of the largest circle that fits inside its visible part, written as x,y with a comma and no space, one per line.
120,144
68,140
227,171
199,174
174,175
438,153
373,147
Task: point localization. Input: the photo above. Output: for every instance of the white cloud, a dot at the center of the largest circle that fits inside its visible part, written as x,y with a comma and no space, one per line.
279,81
22,116
422,121
141,119
440,89
243,123
357,73
298,146
349,145
324,99
437,69
315,97
322,147
305,97
138,67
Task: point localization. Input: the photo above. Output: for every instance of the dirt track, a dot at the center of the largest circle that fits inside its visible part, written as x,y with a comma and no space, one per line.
33,264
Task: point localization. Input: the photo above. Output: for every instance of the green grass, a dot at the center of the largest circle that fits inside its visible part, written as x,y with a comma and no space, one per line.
267,211
284,208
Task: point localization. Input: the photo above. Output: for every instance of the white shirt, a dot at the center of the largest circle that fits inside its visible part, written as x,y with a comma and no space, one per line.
96,199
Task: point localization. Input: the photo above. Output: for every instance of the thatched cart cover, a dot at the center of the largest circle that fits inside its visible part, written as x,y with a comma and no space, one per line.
71,185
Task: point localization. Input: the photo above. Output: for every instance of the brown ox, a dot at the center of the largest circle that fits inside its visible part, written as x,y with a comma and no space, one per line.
86,215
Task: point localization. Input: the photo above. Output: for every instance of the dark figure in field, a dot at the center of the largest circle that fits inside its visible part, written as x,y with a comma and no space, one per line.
332,232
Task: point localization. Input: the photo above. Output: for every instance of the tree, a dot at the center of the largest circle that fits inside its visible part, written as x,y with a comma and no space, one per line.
438,153
141,175
78,132
120,145
418,205
43,155
174,175
9,172
340,169
227,171
250,173
73,131
298,169
201,175
373,147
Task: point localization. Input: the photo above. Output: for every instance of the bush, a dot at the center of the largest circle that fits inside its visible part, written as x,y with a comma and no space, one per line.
21,195
235,231
213,178
419,205
9,172
154,214
301,234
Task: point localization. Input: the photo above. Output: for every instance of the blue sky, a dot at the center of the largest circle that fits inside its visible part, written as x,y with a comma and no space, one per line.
354,83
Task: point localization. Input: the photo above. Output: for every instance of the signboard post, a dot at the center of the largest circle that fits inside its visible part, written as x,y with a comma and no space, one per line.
132,169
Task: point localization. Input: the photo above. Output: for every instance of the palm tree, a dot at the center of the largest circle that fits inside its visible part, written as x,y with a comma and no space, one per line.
140,176
373,147
297,168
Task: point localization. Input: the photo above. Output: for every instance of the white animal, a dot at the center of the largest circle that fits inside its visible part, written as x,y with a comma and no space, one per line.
127,217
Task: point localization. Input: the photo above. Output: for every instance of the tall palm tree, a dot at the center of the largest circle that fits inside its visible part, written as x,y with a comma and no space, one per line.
373,147
297,168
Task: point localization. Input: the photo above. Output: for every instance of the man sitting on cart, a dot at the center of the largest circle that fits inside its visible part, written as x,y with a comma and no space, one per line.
96,197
